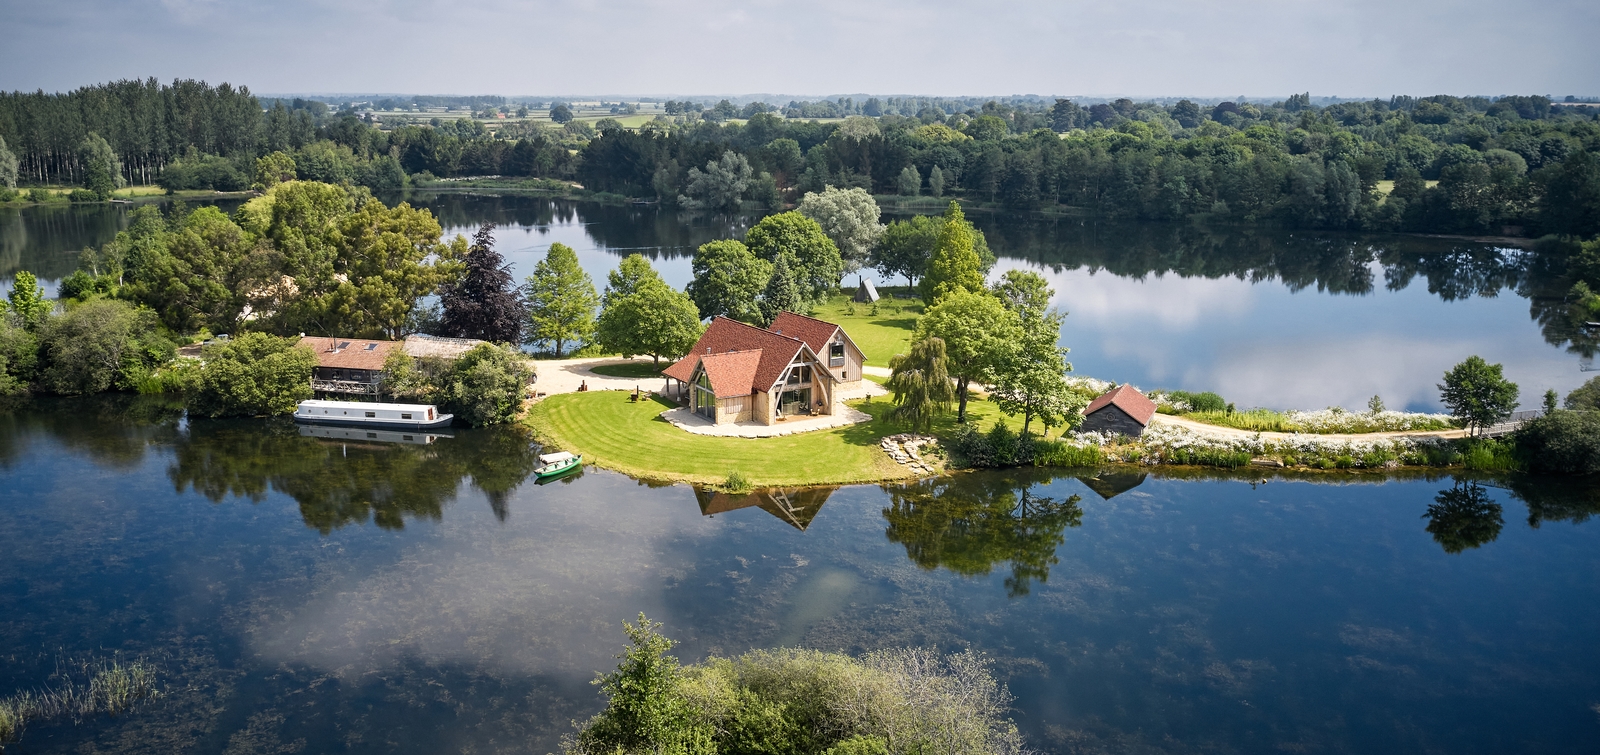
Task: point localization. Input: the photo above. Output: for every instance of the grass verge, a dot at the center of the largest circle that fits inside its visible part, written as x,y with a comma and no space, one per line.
880,335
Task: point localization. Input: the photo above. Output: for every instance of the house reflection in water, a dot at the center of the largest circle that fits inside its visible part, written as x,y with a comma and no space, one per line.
1111,484
795,506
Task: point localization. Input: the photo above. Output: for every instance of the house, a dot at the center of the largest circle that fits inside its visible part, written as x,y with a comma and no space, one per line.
828,341
348,366
738,372
866,293
1124,411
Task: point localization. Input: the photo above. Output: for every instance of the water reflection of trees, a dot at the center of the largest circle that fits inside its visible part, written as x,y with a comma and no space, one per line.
1556,499
971,523
337,483
1463,517
647,229
113,429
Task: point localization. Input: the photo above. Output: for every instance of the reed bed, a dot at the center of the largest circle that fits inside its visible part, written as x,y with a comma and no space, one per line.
85,689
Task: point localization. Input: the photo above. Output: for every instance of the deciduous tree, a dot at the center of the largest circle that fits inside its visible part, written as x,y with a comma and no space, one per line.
977,331
921,384
813,256
485,302
728,281
722,186
849,217
1477,393
643,315
905,246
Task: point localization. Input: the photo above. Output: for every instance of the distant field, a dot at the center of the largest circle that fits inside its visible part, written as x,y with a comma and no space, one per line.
1384,187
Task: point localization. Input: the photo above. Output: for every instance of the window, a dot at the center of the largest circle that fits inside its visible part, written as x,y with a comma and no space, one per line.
407,437
372,414
835,355
372,435
405,416
344,345
798,374
371,346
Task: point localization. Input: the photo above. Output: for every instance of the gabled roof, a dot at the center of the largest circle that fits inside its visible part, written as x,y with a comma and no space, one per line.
732,373
350,353
726,335
1129,400
815,333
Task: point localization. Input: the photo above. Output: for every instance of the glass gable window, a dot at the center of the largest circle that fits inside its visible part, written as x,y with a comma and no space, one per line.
835,355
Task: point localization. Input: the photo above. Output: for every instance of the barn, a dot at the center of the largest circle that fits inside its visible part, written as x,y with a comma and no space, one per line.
1124,411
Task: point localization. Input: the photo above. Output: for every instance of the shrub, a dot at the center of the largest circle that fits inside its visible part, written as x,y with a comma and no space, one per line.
1055,453
798,702
82,195
736,483
38,195
1565,442
485,385
82,285
1209,457
1200,402
197,171
253,375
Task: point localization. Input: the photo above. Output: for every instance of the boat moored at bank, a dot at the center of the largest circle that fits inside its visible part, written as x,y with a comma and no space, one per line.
371,414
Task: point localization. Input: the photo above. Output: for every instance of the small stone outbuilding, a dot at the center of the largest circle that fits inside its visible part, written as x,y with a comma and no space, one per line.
1123,411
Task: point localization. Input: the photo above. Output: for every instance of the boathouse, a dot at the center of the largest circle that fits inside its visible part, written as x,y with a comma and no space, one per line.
348,366
738,372
1123,411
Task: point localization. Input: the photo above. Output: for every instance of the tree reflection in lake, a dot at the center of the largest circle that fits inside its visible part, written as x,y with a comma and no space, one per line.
1557,499
338,482
1463,517
971,523
113,429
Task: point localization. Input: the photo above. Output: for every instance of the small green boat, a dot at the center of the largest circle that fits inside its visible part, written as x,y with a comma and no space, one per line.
557,464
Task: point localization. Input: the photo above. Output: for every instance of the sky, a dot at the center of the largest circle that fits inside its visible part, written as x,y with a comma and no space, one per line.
1199,48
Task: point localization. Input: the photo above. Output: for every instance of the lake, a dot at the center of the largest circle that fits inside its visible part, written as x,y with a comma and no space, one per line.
1266,318
303,594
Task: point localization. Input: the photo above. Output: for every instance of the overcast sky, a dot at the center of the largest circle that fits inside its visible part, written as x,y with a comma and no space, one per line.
660,47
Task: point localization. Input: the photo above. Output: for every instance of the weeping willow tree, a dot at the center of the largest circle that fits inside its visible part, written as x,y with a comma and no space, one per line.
921,384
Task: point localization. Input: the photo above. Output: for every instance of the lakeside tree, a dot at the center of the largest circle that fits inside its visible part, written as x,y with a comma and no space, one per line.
198,272
273,169
101,345
19,357
102,174
253,375
1030,375
936,182
954,263
1477,393
26,300
978,332
641,314
561,114
814,257
921,384
728,281
849,217
485,386
910,182
1585,397
484,303
561,300
905,246
721,187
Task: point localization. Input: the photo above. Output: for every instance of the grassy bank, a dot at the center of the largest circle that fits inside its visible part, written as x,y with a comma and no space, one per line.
880,335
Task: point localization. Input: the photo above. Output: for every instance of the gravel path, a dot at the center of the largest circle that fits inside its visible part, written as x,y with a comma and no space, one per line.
1233,432
566,375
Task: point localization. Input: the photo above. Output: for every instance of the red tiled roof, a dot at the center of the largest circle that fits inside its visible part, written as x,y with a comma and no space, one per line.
1130,401
732,373
350,353
816,333
726,335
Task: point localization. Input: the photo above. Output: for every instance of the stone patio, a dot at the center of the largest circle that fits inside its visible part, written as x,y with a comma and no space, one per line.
687,420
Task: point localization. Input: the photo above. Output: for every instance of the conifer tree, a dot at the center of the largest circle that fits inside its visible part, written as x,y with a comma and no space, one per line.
561,300
485,303
955,263
782,293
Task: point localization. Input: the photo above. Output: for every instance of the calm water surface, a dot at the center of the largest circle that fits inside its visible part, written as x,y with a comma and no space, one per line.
306,595
1267,318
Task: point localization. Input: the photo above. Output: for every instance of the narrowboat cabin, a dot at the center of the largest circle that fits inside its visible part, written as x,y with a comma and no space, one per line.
371,414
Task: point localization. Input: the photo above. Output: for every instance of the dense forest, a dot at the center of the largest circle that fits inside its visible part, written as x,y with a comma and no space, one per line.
1442,163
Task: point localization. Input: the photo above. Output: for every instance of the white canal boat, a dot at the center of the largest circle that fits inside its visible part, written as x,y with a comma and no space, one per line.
371,414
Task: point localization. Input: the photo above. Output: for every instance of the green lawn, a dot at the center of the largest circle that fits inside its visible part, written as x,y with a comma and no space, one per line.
880,336
628,370
612,432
